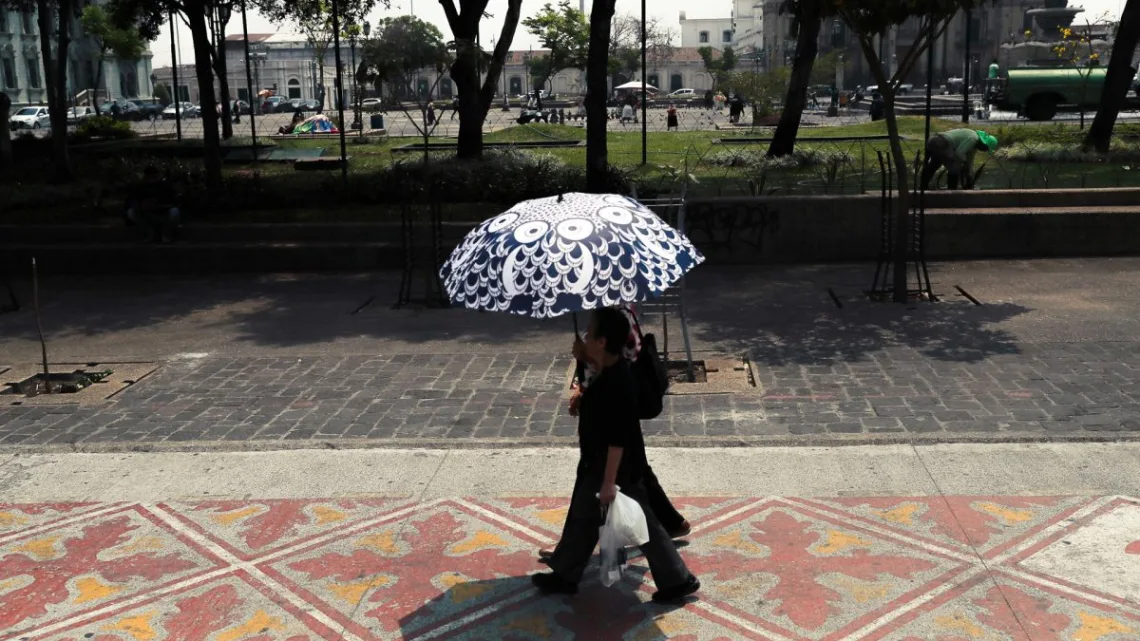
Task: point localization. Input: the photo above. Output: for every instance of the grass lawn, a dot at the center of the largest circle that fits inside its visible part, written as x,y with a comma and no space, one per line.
703,154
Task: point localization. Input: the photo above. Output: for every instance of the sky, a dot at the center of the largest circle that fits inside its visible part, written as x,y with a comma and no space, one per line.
667,11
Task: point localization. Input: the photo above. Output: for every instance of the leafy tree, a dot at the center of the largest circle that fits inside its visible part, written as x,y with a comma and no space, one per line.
400,49
124,43
762,90
625,44
565,32
867,19
807,14
1075,50
1118,78
718,63
475,99
162,92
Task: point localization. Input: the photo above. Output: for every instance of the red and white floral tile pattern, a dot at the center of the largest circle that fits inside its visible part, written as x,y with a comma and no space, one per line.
873,569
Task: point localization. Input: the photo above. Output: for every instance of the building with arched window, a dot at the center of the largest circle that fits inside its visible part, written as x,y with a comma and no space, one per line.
22,74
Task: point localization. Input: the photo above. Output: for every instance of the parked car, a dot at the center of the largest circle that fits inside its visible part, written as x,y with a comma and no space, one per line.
371,104
269,106
30,118
188,110
148,109
684,94
286,106
127,110
76,115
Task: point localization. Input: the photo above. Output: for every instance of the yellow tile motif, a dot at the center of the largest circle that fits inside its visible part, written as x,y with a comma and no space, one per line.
12,519
259,622
735,540
864,591
229,518
959,622
138,626
1009,515
838,541
667,625
479,540
92,589
40,549
1094,628
556,516
326,514
534,625
903,514
461,589
352,593
382,542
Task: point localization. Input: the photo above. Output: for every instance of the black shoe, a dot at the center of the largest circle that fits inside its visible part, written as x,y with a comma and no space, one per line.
677,593
551,583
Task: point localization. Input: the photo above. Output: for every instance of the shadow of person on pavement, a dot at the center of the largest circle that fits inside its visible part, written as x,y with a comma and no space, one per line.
520,613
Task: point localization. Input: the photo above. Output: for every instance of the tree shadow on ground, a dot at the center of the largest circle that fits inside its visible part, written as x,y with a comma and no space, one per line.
786,315
520,613
776,315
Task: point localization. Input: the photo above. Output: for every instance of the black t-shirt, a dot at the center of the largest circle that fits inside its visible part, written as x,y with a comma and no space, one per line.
152,195
607,417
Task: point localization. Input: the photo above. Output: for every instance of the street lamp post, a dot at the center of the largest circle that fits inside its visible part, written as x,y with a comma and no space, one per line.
352,36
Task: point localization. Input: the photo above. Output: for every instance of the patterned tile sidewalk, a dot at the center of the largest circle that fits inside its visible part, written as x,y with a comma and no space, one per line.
1072,390
898,569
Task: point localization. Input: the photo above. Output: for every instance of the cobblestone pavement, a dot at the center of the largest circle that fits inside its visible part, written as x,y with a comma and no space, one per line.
1063,390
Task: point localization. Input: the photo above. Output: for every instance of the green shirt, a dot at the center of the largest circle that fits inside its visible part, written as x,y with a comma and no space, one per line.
965,143
994,69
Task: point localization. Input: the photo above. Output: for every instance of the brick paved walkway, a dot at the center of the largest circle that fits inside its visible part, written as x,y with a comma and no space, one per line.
1071,390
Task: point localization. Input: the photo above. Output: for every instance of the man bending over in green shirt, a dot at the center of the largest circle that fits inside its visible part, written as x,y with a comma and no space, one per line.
955,150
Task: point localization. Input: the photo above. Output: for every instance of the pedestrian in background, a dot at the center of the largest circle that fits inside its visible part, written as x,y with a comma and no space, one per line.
671,118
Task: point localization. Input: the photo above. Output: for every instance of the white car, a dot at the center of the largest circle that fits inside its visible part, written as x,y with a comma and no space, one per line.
30,118
370,104
76,115
683,94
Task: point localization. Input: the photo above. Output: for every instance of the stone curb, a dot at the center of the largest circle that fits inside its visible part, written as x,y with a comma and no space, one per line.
499,443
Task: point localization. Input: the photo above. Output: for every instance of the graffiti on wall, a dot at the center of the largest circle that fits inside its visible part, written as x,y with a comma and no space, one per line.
732,226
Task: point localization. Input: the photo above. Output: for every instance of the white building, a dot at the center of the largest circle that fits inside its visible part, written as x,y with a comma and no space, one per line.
743,28
22,73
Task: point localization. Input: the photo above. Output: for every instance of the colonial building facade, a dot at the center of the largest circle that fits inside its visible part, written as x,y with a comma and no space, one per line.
22,73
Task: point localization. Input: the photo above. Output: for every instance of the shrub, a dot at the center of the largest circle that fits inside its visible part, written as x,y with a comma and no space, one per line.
1068,152
103,128
801,158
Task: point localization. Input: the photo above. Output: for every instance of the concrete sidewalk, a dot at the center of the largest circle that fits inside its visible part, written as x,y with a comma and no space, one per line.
939,543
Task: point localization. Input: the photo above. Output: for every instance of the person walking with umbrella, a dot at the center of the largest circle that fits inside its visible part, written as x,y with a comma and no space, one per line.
586,252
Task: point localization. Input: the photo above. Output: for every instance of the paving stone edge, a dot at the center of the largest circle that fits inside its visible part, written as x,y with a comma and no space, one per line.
496,443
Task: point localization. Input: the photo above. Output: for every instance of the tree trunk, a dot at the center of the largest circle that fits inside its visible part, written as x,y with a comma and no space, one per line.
224,90
1117,79
597,73
807,48
475,100
98,82
55,79
212,157
321,91
5,135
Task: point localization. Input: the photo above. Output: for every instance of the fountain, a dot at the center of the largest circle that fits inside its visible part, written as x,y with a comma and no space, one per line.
1056,15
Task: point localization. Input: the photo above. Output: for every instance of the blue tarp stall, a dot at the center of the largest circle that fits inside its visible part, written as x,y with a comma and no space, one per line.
318,124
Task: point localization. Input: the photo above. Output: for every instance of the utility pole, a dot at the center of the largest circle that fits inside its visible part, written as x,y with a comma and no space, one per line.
966,75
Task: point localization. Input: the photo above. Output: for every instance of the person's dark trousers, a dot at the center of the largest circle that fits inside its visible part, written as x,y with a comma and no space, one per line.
659,502
580,536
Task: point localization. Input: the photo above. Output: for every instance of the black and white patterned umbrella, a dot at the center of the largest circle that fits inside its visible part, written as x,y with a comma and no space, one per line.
570,253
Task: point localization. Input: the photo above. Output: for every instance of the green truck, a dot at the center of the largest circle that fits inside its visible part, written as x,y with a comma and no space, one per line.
1038,94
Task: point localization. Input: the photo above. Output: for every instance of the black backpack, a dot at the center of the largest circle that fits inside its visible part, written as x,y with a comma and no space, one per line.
651,375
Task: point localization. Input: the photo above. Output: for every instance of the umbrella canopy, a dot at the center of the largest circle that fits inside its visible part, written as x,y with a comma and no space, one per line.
636,85
575,252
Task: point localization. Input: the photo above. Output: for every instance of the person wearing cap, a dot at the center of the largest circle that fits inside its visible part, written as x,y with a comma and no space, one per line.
955,150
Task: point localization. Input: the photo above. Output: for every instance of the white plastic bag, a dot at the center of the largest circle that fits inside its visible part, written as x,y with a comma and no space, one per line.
625,526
